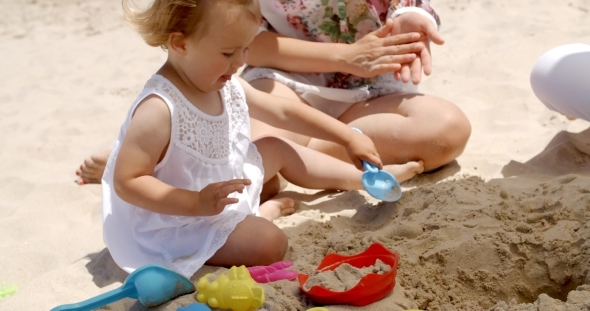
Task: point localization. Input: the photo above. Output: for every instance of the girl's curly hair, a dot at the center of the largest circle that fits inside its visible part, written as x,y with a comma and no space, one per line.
164,17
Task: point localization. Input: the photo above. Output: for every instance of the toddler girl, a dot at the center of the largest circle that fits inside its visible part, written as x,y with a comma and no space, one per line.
182,185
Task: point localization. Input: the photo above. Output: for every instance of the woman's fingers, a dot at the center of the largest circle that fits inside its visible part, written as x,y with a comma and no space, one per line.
397,59
391,63
401,49
406,73
401,39
391,58
426,58
384,30
433,34
385,68
416,70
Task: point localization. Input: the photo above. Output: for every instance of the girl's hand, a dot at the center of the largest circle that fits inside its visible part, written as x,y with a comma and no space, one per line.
213,198
361,148
412,22
377,52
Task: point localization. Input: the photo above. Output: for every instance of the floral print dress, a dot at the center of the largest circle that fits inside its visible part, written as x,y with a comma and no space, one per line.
343,21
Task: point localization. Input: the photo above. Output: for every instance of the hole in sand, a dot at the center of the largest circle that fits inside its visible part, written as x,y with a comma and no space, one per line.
472,245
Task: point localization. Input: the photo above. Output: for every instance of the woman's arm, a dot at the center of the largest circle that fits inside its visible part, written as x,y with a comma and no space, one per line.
374,54
270,49
300,118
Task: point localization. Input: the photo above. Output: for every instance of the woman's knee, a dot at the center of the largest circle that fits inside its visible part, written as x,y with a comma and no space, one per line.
272,145
459,129
454,130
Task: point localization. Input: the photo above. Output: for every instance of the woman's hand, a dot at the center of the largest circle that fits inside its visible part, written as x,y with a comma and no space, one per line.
379,52
361,148
412,22
214,197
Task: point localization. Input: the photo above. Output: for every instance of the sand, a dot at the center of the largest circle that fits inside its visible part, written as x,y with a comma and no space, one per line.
504,228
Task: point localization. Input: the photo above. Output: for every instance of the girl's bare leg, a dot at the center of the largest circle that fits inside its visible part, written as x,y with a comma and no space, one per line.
304,167
91,170
255,241
311,169
403,127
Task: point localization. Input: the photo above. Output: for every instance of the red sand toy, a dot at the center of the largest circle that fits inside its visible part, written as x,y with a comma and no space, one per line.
372,287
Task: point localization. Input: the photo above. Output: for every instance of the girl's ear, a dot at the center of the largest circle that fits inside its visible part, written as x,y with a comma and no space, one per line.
177,43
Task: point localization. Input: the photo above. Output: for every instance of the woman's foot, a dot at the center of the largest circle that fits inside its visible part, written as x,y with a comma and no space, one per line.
403,172
277,207
90,172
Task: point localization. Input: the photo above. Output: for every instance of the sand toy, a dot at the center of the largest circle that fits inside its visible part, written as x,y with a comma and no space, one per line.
7,291
273,272
152,285
372,287
194,307
379,183
234,289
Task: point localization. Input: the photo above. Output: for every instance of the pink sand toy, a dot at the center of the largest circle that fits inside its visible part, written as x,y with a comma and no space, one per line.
273,272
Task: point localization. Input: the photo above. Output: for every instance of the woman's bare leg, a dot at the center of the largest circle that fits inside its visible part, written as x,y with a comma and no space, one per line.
403,127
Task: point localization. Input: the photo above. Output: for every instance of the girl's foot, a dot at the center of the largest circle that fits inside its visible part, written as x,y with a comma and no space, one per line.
277,207
90,172
403,172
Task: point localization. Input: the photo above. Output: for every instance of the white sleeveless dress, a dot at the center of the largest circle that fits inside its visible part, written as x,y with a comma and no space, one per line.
203,149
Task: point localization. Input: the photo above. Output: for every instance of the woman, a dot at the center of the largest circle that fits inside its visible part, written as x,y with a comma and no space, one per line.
354,61
339,57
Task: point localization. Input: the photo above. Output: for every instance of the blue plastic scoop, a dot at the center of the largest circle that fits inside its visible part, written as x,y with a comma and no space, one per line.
379,183
152,285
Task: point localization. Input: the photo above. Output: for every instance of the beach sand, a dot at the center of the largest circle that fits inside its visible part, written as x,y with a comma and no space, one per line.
505,227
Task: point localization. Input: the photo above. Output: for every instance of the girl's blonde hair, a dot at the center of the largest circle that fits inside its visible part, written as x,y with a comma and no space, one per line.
164,17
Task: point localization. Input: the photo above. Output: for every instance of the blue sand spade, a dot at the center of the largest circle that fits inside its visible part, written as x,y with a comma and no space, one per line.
379,183
194,307
152,285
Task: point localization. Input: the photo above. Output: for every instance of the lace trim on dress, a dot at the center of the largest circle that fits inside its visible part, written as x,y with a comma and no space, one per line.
238,108
208,138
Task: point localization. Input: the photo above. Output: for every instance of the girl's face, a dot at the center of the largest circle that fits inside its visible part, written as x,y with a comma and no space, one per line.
211,61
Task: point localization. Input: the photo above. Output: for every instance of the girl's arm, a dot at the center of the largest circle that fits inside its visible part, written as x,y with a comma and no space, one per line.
300,118
145,144
146,140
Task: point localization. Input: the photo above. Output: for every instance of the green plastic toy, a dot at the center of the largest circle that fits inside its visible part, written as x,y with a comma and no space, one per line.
7,291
